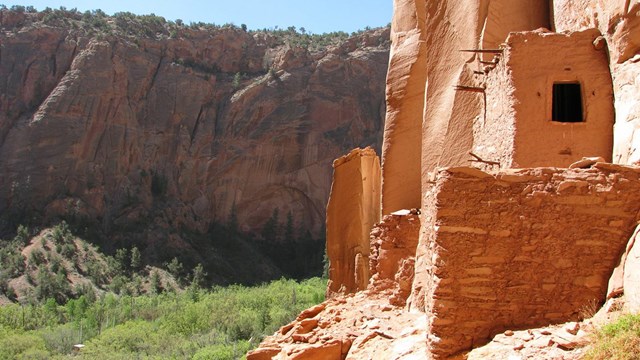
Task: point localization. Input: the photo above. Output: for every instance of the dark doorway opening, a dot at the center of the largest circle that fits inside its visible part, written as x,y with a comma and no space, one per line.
567,103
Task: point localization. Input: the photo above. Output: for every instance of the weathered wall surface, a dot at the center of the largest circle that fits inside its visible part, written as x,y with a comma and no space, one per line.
619,22
505,16
518,129
393,250
518,249
406,80
354,206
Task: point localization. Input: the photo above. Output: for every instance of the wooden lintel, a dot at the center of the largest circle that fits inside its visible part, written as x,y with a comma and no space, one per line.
469,88
487,62
484,51
479,72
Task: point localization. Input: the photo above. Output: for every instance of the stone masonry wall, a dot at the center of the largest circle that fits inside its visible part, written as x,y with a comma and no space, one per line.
519,249
393,251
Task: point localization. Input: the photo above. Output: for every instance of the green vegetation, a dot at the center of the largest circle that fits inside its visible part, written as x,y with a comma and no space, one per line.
619,340
121,308
221,323
152,26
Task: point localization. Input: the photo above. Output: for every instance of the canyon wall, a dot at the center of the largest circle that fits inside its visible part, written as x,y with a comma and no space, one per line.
406,78
505,249
156,133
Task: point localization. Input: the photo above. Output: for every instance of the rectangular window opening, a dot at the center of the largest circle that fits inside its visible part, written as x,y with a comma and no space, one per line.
567,103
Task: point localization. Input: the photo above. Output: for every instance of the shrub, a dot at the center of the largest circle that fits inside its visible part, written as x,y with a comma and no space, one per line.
55,264
12,262
18,345
223,351
60,339
68,250
96,271
118,283
618,340
36,258
61,234
22,235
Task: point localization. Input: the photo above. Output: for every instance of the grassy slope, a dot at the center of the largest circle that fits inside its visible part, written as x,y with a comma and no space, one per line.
617,340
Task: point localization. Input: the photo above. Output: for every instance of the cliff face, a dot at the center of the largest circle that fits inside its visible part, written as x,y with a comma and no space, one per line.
619,23
182,131
498,85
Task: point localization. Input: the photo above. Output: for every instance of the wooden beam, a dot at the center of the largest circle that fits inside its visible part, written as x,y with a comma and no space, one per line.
479,159
484,51
469,88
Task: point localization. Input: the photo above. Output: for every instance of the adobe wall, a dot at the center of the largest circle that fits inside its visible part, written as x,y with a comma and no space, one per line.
353,209
619,22
518,129
519,249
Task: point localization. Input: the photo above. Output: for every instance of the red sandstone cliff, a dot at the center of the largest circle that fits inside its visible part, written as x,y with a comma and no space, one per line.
530,241
178,129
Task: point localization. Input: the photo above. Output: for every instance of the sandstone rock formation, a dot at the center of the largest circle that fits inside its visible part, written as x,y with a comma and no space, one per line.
405,88
501,84
371,324
356,191
152,132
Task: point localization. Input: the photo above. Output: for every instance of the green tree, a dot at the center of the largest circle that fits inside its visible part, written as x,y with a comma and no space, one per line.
22,235
198,277
52,286
175,268
121,264
236,80
155,283
136,259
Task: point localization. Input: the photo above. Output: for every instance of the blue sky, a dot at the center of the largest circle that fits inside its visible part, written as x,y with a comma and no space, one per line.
315,16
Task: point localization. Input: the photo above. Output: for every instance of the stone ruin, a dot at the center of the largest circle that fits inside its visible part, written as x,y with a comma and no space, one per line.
508,190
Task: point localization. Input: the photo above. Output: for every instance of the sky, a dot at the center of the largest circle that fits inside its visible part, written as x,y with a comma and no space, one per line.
315,16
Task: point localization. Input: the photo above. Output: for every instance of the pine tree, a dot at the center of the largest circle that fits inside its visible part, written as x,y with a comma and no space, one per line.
199,276
136,259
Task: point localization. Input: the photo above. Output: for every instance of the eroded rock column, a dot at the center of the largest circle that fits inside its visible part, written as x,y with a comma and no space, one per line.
353,209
